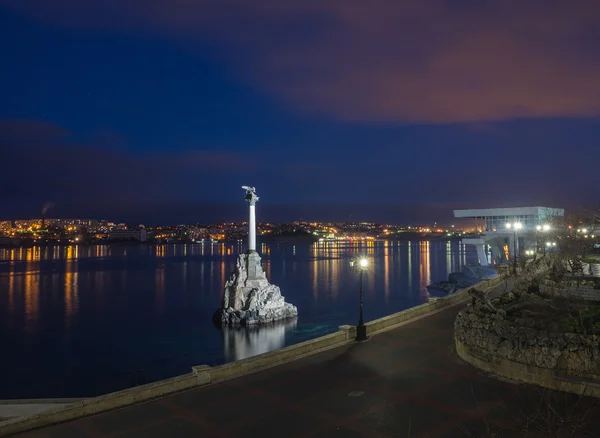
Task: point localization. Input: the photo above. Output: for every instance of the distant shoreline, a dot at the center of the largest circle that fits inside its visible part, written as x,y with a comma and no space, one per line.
268,240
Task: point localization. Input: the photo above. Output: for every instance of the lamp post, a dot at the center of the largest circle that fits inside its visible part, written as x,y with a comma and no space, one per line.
545,228
515,226
361,329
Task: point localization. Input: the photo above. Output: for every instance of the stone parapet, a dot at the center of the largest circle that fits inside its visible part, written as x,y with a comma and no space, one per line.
520,372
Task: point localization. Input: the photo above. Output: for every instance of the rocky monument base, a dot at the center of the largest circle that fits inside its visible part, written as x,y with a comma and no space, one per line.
249,298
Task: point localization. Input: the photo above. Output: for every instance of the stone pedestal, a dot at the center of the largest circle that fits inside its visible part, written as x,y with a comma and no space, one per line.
249,298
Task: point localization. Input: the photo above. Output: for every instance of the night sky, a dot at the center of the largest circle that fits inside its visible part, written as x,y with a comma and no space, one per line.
394,111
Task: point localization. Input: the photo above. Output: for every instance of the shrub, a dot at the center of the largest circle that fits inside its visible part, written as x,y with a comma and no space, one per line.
590,260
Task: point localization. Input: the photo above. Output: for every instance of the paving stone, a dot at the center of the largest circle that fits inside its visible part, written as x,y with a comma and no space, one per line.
402,419
286,424
65,430
222,413
337,432
467,394
200,398
339,404
302,386
129,417
174,427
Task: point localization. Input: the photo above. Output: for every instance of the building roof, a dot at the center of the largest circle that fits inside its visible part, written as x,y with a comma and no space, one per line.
512,211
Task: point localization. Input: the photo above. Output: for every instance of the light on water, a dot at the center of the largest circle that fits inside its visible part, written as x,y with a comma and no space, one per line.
85,320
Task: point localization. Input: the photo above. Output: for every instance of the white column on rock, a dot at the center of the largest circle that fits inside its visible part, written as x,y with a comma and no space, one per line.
252,229
252,200
249,298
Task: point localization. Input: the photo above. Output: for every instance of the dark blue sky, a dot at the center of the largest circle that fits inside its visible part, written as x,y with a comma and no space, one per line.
158,112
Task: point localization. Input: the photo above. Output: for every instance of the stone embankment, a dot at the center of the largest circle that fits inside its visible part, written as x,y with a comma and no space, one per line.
556,360
571,353
525,350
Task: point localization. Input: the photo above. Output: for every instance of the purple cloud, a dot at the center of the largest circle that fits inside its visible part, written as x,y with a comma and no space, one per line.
430,61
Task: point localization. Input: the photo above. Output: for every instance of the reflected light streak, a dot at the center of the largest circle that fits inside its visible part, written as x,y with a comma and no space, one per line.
386,267
223,274
424,268
409,265
11,291
71,299
328,276
449,267
160,289
315,272
32,296
266,265
370,276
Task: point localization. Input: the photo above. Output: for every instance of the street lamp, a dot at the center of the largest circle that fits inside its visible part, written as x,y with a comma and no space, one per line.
361,329
515,226
538,228
550,244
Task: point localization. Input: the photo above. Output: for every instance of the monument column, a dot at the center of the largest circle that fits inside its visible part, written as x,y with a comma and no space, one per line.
248,297
252,200
252,227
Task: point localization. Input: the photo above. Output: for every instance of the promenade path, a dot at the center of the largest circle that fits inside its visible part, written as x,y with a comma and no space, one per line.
401,383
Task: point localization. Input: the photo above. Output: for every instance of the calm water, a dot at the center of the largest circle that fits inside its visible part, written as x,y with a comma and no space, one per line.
85,320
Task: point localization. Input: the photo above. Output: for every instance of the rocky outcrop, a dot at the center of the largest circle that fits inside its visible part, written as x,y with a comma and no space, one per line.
249,298
482,296
577,354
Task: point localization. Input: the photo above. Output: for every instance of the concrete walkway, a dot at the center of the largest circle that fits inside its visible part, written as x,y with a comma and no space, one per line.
405,382
22,408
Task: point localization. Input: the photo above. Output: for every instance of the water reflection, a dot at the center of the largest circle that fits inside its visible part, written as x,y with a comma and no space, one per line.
424,268
386,275
32,296
160,289
139,303
71,288
410,265
242,342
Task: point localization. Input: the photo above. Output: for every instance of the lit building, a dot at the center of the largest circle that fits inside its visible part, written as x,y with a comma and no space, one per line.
139,234
507,230
5,227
